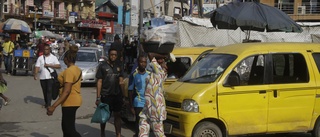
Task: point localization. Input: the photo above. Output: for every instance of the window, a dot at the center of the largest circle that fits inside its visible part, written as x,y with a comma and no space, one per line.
208,68
251,70
316,57
289,68
56,8
5,6
178,69
22,8
38,3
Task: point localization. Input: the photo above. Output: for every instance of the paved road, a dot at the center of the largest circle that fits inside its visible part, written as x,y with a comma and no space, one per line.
25,117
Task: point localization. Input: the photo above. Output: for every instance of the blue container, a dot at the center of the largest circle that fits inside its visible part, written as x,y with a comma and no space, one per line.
18,53
23,53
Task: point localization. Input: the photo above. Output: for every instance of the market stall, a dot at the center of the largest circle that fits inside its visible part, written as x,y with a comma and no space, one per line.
22,57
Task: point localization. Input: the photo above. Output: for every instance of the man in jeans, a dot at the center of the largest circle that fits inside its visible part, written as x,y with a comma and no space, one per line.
8,48
44,63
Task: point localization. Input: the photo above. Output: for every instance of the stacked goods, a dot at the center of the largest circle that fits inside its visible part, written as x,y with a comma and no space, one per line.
160,39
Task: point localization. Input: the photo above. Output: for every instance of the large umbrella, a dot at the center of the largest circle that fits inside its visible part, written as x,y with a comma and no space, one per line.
253,16
58,36
16,25
45,33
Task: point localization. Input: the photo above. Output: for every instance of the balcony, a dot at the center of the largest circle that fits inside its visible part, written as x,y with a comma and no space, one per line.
300,11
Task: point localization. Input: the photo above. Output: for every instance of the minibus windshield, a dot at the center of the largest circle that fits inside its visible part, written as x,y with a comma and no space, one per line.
208,68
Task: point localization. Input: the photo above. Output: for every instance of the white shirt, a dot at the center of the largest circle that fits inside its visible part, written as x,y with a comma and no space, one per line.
44,73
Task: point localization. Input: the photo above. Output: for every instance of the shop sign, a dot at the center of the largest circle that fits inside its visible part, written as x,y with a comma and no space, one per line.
47,13
108,29
31,10
92,24
73,14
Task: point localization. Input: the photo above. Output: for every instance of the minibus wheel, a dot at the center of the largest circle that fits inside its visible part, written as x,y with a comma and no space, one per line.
316,129
206,129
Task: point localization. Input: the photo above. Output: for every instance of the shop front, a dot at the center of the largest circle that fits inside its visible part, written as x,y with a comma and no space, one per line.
99,29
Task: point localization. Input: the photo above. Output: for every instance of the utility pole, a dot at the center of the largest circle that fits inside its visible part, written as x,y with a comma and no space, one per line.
35,19
181,2
141,13
1,10
124,19
200,8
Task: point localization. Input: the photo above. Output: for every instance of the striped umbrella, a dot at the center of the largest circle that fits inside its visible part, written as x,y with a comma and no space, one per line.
16,25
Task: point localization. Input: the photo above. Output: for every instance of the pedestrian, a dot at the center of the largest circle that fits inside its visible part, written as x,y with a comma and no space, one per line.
3,88
40,47
137,84
128,52
8,48
119,47
44,63
110,89
154,110
70,97
66,44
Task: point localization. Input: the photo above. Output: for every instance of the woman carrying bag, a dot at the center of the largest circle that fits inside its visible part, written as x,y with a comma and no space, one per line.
70,95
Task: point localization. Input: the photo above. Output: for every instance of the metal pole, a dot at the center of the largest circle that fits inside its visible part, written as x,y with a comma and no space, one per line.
1,10
140,22
35,20
181,2
124,18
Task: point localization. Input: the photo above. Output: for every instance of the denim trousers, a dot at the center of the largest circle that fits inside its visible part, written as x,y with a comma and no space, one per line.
8,63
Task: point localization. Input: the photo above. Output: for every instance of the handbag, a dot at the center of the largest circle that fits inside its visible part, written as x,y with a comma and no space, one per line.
101,114
56,84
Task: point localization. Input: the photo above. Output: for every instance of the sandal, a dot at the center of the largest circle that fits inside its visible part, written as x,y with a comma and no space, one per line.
7,102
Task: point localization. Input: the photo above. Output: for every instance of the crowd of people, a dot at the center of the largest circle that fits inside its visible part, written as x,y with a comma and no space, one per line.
146,102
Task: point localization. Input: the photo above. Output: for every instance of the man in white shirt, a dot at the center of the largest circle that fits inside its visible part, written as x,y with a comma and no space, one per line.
44,63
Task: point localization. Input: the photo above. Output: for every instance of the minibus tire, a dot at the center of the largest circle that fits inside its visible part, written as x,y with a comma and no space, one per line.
316,129
206,128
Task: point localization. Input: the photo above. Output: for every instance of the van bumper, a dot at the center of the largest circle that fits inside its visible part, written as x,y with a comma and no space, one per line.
182,122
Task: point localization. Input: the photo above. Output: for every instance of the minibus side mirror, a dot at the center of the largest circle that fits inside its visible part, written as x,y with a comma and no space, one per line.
233,79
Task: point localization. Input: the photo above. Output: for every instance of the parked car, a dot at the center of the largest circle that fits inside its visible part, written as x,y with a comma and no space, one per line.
248,88
88,59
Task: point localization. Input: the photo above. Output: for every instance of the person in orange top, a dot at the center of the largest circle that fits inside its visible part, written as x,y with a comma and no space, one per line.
70,95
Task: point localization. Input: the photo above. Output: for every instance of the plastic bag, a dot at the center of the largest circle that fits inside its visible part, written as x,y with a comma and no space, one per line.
102,114
162,34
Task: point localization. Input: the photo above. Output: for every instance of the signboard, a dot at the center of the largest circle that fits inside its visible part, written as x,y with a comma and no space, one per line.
48,13
73,14
92,24
31,10
120,16
108,29
72,19
134,13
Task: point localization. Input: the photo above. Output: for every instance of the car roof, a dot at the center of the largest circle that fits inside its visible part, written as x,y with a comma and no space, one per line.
91,48
241,48
191,50
91,51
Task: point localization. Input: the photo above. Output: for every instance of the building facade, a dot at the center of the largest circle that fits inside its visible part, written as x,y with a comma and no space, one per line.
54,15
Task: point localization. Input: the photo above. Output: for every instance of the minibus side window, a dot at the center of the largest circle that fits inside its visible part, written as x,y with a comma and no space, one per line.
289,68
316,57
251,70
